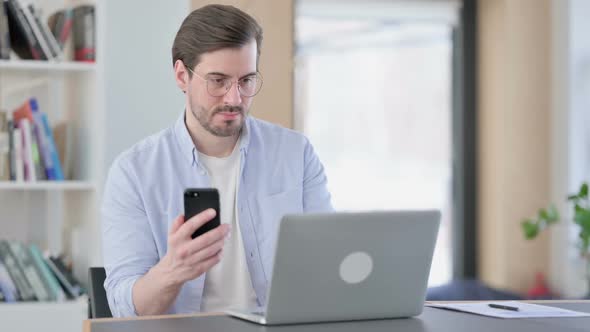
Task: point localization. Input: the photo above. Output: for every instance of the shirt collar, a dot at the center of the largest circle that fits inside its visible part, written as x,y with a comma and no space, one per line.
187,147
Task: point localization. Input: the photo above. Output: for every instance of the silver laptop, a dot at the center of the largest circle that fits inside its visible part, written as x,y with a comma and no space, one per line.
349,266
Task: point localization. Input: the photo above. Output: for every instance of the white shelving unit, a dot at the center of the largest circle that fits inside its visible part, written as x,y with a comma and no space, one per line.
51,66
48,185
33,316
128,94
59,216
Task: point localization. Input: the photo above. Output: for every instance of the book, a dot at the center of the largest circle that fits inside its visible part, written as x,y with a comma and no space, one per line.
57,292
53,154
25,291
46,164
67,280
4,156
37,161
60,24
54,22
27,144
17,155
56,50
26,264
22,39
36,153
25,111
7,285
36,29
4,148
4,33
12,171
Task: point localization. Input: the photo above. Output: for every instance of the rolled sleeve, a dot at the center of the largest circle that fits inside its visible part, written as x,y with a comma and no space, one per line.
129,249
316,197
120,297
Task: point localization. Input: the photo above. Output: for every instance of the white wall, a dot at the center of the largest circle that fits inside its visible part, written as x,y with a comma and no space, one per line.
137,78
141,95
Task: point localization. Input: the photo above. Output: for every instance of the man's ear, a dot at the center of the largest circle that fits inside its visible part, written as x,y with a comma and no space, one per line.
181,75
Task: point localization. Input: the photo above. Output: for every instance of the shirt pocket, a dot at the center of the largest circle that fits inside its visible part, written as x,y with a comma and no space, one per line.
268,210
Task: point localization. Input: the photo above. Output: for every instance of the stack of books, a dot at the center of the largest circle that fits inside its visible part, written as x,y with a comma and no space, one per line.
27,146
28,275
23,30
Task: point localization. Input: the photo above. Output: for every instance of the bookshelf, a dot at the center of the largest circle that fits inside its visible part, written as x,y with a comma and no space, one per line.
126,95
26,316
48,185
53,66
59,216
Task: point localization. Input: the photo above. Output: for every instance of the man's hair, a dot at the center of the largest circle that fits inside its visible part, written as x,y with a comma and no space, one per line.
211,28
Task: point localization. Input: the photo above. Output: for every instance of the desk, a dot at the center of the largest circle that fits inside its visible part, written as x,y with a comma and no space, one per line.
431,320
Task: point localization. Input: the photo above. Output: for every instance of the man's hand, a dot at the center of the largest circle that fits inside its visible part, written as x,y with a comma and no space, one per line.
188,258
185,260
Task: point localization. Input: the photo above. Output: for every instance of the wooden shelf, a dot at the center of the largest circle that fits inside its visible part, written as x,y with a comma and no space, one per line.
47,185
56,66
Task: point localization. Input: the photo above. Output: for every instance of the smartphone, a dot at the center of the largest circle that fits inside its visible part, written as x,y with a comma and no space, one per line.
197,200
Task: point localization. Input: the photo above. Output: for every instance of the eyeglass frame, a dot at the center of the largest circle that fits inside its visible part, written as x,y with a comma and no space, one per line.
257,74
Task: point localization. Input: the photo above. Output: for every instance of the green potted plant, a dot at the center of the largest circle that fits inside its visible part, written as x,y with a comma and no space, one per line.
546,217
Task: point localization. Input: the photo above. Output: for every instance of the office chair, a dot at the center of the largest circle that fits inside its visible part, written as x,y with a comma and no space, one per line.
98,306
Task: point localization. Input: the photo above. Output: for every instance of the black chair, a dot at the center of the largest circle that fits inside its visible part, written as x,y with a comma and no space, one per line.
98,306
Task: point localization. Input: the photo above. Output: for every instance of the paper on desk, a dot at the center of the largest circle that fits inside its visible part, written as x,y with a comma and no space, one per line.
526,310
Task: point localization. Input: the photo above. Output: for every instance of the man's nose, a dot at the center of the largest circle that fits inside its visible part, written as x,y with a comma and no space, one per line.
233,97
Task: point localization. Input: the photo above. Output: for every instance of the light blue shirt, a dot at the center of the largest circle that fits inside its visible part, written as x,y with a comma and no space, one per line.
280,174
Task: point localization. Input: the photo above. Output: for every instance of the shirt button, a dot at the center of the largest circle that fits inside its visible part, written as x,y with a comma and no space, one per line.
251,254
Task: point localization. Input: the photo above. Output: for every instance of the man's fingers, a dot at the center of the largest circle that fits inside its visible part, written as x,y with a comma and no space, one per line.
210,262
205,253
176,224
191,225
207,239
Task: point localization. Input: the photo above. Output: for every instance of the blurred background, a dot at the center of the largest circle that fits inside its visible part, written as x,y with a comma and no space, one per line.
478,108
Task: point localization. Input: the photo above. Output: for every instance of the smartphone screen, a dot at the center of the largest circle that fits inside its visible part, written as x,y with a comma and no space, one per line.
197,200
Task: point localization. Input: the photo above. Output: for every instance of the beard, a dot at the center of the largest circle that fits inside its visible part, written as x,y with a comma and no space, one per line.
228,128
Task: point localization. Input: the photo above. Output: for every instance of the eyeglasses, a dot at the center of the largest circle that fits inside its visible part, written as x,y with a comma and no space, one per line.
218,86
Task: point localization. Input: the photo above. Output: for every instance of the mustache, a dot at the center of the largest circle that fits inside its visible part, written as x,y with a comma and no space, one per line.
232,109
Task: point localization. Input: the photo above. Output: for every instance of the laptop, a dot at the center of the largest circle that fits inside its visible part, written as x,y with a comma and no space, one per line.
348,266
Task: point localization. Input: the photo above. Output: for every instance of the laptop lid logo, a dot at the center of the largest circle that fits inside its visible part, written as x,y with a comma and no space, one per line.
356,267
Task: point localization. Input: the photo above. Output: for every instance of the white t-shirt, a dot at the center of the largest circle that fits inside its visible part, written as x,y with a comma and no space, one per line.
228,283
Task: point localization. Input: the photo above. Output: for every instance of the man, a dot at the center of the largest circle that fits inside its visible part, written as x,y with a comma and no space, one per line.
262,172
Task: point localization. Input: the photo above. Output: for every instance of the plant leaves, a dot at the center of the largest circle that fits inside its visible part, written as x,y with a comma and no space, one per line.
574,198
582,218
530,229
552,214
543,214
583,190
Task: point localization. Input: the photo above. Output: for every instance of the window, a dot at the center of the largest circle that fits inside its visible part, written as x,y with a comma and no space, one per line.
373,91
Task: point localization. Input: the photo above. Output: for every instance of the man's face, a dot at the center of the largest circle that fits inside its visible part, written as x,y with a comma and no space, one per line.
224,115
